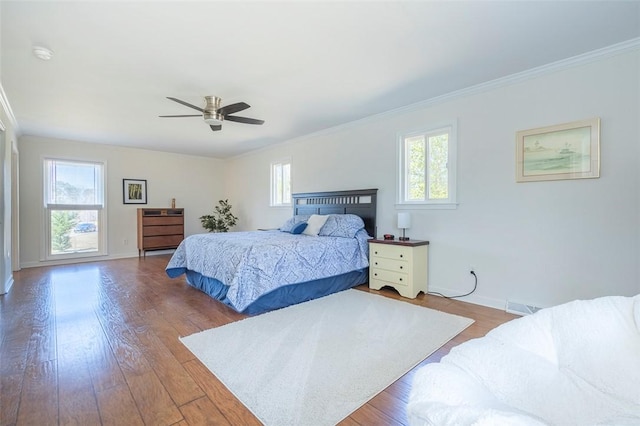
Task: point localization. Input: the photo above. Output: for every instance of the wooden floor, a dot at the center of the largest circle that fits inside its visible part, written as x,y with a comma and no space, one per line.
97,343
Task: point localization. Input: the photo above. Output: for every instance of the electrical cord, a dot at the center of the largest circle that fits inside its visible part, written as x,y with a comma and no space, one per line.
460,295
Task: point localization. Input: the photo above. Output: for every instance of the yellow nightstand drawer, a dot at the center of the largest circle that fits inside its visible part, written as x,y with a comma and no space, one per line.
390,276
390,264
391,252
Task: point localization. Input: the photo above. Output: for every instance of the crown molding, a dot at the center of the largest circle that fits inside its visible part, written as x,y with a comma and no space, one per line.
585,58
4,102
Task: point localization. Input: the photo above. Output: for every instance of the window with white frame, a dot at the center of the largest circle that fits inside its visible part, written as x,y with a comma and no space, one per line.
281,183
427,167
74,204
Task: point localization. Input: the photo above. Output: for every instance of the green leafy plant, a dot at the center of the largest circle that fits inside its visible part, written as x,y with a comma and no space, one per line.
221,220
62,222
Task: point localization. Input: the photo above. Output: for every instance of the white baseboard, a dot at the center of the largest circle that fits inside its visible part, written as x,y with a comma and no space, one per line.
36,264
473,298
8,284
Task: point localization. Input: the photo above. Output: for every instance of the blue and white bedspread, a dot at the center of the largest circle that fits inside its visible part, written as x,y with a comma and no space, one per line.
254,263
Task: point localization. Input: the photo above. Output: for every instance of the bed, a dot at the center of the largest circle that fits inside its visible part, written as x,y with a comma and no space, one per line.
258,271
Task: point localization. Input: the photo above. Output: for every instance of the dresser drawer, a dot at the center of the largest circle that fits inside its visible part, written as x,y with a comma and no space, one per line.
162,241
162,220
162,230
395,278
391,252
390,264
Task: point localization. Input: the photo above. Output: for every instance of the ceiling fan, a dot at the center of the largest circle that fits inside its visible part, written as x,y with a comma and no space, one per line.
214,114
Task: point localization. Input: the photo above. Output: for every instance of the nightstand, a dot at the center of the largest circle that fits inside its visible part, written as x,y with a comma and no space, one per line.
399,264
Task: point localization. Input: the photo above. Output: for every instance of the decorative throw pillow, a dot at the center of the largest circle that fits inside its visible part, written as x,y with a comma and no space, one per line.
342,225
314,224
297,229
293,221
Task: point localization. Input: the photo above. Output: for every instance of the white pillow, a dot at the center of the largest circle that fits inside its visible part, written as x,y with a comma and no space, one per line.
315,224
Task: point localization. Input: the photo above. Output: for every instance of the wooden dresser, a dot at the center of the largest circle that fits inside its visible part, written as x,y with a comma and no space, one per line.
159,229
399,264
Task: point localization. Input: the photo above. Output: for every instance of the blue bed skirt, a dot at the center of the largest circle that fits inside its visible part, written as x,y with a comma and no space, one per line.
284,296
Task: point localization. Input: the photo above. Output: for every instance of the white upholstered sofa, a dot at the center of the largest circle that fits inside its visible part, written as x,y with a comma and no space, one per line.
572,364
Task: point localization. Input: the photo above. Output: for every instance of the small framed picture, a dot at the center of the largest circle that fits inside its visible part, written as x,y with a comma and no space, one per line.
134,191
563,151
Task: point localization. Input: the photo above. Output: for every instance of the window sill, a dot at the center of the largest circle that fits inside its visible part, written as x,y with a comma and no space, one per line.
434,206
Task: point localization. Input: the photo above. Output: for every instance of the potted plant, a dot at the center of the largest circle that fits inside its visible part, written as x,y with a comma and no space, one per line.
221,219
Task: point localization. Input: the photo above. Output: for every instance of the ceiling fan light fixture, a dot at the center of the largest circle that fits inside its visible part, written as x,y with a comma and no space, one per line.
42,52
211,115
212,118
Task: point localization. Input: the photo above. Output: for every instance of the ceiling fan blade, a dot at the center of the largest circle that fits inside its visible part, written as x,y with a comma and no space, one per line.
216,127
185,104
244,120
173,116
233,108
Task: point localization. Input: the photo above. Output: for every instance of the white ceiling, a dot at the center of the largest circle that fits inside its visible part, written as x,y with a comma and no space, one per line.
302,66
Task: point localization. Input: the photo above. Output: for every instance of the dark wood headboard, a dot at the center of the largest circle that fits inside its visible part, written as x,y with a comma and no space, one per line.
361,202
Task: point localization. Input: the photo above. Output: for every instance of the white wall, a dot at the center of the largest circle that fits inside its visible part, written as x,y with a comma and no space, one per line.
540,243
195,182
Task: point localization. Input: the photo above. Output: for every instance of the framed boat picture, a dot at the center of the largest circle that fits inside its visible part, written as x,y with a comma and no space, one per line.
563,151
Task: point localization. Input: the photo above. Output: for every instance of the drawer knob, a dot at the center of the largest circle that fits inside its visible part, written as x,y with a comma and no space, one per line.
375,263
375,274
400,279
400,255
375,252
401,267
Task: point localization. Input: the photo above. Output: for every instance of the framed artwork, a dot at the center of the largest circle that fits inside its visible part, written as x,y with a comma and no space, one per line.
563,151
134,191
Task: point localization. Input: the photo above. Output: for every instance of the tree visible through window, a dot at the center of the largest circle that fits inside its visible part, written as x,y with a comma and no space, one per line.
62,224
427,166
439,169
281,183
416,178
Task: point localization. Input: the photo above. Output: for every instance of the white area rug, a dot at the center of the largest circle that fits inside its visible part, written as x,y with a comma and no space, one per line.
317,362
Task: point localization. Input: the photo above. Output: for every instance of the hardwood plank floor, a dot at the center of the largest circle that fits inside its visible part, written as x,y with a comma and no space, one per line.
97,343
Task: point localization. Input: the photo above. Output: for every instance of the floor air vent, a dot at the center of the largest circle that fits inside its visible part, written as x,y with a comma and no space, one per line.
521,308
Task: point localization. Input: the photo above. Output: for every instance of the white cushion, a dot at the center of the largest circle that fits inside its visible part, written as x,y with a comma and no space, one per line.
572,364
315,224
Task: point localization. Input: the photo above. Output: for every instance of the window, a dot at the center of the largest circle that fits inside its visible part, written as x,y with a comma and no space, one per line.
74,205
281,183
427,172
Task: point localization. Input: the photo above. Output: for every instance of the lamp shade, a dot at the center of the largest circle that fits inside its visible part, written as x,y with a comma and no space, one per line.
404,220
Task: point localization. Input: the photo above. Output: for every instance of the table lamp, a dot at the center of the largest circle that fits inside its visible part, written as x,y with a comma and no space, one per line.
404,222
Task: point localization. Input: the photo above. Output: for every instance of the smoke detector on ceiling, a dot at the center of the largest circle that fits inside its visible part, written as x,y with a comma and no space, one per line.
42,52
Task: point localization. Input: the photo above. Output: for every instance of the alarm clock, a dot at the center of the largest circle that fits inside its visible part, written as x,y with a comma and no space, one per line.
389,236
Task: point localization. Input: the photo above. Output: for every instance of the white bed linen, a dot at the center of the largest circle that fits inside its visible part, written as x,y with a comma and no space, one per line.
573,364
